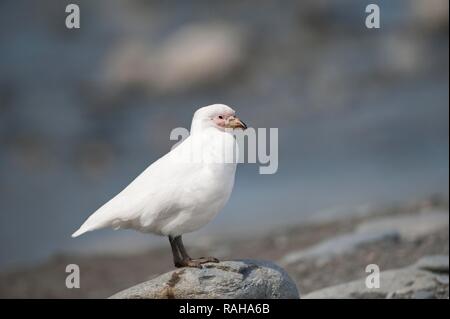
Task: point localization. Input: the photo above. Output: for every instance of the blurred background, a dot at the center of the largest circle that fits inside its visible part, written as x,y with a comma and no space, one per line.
362,113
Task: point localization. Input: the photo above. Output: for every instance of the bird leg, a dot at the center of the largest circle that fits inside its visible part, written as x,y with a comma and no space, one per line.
175,252
186,260
180,257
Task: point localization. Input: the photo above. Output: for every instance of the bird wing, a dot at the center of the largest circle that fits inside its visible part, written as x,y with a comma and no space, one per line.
149,194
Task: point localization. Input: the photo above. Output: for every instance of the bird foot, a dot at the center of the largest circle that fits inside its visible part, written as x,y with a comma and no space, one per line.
195,263
205,260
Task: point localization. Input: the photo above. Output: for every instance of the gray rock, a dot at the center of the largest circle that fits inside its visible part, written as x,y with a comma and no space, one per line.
408,282
423,294
210,52
409,227
247,279
327,249
438,263
444,279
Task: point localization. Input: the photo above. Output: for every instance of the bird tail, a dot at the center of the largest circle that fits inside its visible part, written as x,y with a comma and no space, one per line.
79,232
105,216
83,229
95,221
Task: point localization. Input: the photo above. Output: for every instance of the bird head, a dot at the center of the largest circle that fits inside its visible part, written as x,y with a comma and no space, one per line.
217,116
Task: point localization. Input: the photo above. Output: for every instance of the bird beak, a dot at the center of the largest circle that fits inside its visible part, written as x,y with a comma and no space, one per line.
235,122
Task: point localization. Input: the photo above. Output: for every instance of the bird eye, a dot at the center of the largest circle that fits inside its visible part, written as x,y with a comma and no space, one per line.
220,117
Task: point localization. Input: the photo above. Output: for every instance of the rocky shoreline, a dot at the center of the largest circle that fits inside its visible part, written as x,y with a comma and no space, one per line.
327,259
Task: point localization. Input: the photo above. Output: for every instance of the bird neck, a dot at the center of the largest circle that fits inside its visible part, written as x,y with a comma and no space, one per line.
196,126
214,146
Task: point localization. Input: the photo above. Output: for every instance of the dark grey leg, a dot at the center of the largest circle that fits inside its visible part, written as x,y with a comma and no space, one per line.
175,252
194,262
180,245
180,257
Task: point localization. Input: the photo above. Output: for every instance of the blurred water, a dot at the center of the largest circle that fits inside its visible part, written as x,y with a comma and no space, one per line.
362,116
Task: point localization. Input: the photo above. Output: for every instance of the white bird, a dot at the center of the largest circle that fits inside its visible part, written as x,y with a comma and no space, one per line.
183,190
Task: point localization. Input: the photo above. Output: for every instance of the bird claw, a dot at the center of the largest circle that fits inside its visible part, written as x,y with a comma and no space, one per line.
188,263
204,260
195,263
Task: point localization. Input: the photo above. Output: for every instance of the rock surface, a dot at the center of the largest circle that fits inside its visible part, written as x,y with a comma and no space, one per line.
398,228
408,227
228,279
338,245
437,264
426,279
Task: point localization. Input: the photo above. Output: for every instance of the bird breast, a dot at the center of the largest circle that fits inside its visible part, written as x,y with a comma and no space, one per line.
201,190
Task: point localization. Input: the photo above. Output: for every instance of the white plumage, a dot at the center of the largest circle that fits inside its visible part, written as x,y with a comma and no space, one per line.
183,190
